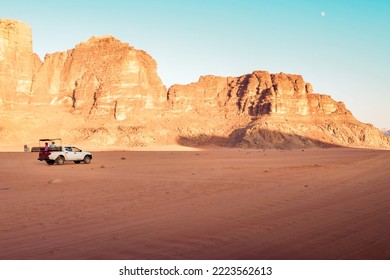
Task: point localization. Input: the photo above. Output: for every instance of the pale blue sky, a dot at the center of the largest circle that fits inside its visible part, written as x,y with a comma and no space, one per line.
343,53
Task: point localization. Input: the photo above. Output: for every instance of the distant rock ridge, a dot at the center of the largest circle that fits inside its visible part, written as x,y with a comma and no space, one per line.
284,112
256,94
107,93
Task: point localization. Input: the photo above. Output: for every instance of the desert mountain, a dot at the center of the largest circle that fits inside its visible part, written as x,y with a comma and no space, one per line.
102,76
106,94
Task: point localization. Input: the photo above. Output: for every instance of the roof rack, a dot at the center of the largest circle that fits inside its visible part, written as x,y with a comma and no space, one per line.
50,139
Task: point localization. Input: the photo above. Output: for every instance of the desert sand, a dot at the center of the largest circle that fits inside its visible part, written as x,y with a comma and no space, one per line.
212,203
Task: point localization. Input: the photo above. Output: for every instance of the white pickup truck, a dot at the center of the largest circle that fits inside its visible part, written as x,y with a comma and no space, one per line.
59,154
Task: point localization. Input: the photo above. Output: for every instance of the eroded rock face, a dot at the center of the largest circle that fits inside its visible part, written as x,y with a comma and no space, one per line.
16,62
106,93
255,94
102,76
284,112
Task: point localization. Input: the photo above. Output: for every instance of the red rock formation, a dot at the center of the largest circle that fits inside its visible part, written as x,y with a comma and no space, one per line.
255,94
102,76
284,111
16,62
106,92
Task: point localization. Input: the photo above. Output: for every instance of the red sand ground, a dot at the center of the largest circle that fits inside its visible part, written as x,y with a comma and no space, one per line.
211,204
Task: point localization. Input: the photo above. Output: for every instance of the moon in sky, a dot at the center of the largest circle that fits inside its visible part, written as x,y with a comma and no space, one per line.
322,14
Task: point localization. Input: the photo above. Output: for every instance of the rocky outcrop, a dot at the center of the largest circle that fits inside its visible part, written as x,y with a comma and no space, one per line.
255,94
284,112
102,76
107,93
16,62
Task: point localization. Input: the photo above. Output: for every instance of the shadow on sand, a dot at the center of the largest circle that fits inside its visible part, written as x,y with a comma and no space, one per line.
252,137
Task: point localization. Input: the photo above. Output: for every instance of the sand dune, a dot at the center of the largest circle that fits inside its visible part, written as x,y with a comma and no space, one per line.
199,204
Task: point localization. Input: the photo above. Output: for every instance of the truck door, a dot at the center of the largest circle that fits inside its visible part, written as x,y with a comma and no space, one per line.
70,154
77,153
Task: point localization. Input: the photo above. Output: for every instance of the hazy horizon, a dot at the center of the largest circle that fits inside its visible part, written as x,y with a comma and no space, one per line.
341,48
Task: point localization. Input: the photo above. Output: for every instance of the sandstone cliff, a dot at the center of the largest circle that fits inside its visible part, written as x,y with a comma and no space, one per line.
255,94
284,113
107,94
16,62
102,76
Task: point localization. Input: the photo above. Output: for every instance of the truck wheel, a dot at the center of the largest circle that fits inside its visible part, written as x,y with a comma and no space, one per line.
50,162
60,160
87,159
